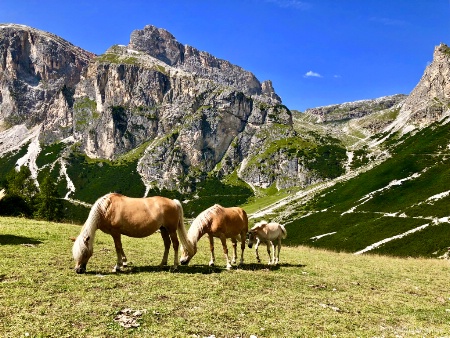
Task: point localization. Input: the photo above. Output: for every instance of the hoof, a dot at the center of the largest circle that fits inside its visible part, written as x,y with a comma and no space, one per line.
211,264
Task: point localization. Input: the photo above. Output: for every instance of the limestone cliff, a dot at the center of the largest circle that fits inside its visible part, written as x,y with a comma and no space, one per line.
38,74
352,110
194,113
430,99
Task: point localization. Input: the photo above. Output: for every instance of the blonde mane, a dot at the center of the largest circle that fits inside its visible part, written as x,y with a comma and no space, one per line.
98,211
203,220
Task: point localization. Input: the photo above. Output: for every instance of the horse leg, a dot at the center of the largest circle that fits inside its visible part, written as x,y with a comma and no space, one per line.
223,239
166,239
234,242
119,252
271,257
269,245
279,249
256,250
175,244
211,247
242,247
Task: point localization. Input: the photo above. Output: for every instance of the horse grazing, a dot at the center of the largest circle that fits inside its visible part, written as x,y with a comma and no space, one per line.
266,233
220,222
118,215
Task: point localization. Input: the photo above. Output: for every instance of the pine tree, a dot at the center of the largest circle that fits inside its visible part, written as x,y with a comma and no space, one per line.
49,205
21,192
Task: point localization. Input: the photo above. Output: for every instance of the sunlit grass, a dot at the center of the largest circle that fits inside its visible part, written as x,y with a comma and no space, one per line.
313,293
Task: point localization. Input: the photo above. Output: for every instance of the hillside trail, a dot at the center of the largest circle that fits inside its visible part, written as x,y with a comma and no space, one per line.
307,194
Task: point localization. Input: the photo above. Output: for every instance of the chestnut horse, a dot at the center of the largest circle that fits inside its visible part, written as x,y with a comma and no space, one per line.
220,222
118,215
266,233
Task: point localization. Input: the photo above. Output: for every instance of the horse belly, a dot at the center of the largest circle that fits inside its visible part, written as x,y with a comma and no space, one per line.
139,230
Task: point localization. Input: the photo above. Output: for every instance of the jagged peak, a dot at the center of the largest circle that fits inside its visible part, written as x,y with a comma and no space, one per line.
162,45
47,35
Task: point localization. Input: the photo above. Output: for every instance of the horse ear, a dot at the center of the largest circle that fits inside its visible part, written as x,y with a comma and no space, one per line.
86,239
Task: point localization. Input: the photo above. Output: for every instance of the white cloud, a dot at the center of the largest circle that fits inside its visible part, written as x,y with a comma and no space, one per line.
290,4
312,74
388,21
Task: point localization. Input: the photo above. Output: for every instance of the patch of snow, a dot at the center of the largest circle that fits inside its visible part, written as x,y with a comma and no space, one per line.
63,172
29,159
438,196
391,184
386,240
320,236
132,51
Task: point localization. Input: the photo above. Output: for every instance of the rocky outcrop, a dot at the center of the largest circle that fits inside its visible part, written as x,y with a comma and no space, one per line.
430,99
352,110
38,74
163,46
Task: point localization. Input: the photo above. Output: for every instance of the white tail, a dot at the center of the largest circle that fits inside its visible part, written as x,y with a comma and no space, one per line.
2,193
181,230
283,229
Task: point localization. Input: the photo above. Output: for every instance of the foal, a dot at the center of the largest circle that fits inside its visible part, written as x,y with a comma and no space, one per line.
266,233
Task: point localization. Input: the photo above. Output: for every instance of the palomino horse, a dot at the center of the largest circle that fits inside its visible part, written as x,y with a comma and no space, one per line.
118,215
266,233
220,222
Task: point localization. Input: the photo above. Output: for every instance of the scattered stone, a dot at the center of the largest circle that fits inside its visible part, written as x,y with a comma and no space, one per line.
128,318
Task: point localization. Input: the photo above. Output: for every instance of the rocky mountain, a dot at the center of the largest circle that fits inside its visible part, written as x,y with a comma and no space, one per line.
393,198
193,114
38,73
353,110
427,103
430,99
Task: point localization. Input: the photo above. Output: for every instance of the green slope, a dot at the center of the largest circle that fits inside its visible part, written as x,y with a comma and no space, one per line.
397,196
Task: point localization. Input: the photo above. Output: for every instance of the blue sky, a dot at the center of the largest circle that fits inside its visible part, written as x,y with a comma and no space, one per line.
316,52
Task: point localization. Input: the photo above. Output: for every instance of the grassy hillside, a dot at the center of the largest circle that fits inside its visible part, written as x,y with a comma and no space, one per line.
329,293
407,191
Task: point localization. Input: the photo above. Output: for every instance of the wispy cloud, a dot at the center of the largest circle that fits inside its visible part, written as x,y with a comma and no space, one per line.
290,4
388,21
312,74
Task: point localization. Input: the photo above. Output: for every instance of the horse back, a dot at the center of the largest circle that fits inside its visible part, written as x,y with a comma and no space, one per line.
234,221
139,217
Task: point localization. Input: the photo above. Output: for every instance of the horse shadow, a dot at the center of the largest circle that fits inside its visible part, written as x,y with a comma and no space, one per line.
18,240
206,269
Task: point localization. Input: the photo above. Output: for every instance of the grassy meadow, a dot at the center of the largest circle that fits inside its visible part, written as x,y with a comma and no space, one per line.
312,293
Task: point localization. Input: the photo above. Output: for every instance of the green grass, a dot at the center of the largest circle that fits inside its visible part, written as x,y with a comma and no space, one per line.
422,154
313,293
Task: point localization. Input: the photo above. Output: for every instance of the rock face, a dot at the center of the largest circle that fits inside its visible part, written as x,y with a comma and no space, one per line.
163,46
194,113
430,99
352,110
38,74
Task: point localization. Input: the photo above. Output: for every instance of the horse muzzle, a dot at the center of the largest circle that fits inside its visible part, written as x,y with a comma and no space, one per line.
250,245
184,261
80,269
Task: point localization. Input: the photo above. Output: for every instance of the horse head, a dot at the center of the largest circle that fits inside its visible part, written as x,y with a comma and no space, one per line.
251,235
186,256
82,251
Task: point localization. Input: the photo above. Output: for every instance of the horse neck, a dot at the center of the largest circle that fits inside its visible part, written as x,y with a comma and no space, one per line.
92,222
196,231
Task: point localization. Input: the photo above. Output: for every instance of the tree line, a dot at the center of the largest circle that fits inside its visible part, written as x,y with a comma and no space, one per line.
23,197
